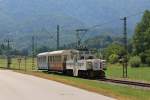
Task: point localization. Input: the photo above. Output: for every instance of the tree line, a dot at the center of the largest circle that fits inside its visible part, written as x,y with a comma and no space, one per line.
138,45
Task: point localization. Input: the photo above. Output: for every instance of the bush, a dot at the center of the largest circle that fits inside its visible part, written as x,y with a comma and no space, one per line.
148,60
113,58
135,61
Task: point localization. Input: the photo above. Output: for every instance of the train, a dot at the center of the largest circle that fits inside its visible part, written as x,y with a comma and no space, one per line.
72,62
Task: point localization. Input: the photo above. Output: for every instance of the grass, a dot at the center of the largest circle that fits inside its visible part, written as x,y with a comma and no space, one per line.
15,63
140,74
120,92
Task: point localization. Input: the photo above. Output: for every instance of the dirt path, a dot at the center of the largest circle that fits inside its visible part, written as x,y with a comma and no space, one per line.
16,86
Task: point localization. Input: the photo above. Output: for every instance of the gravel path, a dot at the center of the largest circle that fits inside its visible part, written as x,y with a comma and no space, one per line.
16,86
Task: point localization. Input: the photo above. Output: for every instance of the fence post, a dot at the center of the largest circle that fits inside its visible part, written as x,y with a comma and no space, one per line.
25,63
19,62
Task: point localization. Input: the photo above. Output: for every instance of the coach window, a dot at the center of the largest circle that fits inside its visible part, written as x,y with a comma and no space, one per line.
50,58
41,59
55,58
59,58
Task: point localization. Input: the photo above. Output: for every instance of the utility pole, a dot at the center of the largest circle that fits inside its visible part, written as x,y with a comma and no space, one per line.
8,41
33,52
125,57
78,31
58,30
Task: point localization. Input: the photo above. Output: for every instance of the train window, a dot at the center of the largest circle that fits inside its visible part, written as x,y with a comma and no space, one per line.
53,59
56,58
50,59
82,57
72,56
59,58
65,58
90,57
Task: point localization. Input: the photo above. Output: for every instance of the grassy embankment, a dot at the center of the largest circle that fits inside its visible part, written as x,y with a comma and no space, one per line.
15,64
138,74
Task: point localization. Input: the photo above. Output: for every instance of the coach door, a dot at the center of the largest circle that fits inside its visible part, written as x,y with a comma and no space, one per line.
64,61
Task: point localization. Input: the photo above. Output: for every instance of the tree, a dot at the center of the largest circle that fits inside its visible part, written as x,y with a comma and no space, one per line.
141,38
114,50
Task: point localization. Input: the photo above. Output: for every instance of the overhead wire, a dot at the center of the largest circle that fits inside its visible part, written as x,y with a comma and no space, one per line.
95,26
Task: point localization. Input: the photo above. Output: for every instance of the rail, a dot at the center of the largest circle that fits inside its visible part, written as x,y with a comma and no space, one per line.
127,82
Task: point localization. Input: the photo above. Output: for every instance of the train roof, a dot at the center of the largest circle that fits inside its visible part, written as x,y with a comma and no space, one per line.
44,53
56,52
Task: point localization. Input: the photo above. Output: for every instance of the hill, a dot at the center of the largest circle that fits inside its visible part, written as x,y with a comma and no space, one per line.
20,19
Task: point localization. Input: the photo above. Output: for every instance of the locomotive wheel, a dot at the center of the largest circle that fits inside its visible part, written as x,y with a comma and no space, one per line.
69,72
91,74
102,74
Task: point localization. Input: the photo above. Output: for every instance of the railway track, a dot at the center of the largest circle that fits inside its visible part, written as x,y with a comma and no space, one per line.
146,85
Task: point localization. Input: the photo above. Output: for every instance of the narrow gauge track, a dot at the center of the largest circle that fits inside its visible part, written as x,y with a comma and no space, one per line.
147,85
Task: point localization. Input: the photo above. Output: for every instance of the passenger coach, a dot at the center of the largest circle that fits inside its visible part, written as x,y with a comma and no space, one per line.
56,60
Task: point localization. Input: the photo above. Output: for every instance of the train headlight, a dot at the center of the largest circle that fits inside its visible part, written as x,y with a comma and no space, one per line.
89,64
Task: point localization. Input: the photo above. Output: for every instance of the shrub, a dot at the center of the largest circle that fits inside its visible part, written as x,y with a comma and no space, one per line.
135,61
113,58
148,60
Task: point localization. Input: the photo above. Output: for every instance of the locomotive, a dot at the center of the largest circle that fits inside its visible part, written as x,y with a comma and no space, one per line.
72,62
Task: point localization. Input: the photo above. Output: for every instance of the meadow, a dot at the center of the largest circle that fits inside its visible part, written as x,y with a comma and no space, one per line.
137,74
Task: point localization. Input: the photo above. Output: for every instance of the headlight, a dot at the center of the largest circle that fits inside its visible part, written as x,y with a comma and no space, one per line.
89,64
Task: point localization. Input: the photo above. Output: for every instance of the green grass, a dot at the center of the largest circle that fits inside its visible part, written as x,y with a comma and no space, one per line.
141,73
15,63
120,92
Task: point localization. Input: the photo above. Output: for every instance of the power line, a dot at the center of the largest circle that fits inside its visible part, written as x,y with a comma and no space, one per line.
114,20
78,36
135,14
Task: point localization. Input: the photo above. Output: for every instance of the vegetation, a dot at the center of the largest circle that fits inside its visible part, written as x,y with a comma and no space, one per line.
18,65
113,58
113,52
135,61
136,74
138,46
141,38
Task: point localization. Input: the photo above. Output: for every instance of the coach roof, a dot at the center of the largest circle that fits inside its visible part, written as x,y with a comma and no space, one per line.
56,52
43,54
